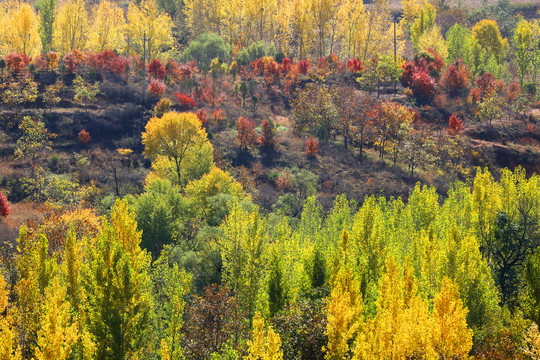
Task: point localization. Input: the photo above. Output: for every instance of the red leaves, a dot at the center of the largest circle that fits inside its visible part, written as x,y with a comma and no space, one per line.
84,137
5,208
70,61
456,77
355,65
285,66
267,134
202,116
514,90
156,69
185,100
312,146
422,85
156,87
16,61
304,65
246,132
107,60
455,125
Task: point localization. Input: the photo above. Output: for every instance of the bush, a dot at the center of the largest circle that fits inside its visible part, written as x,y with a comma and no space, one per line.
423,86
5,208
304,65
456,78
156,69
253,52
84,137
245,132
185,100
204,48
156,87
163,106
455,125
312,146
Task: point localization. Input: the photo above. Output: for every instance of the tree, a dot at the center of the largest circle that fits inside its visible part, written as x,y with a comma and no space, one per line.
5,208
146,25
488,37
245,132
522,47
314,110
34,141
451,336
117,284
20,31
204,48
85,92
47,15
460,44
57,333
431,39
425,20
265,343
8,349
352,110
107,30
173,136
490,107
71,27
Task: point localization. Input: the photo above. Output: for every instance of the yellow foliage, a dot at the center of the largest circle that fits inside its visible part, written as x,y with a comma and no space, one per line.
451,336
146,21
19,25
8,335
488,36
265,344
432,39
176,136
107,31
71,27
215,182
57,334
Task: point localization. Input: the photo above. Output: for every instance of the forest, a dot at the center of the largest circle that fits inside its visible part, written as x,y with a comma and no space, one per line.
263,179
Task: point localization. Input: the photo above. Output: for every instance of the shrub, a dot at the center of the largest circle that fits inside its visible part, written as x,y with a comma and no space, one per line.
514,90
16,62
355,65
312,146
267,134
456,78
217,116
84,137
70,62
423,86
5,208
455,125
185,100
285,66
156,69
245,132
107,60
156,87
303,66
163,106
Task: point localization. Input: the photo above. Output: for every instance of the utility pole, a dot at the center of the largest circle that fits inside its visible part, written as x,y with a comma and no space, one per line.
396,16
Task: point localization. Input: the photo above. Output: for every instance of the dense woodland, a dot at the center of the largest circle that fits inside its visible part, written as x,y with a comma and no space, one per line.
301,179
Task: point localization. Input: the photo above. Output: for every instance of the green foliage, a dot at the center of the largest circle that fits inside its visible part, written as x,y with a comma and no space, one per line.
204,48
423,22
47,15
254,52
85,92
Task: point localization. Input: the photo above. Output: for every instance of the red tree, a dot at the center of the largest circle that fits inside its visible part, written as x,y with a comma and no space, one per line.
84,137
185,100
455,125
312,146
267,134
70,61
355,65
156,69
16,61
423,86
246,132
304,65
456,78
156,87
5,208
202,115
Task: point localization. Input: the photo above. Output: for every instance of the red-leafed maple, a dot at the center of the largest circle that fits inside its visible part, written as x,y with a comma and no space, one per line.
245,135
355,65
267,134
16,62
156,69
456,78
185,100
156,87
303,66
70,62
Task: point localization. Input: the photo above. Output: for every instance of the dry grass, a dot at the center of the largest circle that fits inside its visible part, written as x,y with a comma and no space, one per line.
20,213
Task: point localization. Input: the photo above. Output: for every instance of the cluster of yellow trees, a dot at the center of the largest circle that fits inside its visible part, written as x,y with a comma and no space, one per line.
76,28
298,28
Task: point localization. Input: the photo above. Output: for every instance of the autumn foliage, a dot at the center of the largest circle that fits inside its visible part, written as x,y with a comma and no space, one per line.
267,134
455,125
156,87
312,146
156,69
16,61
355,65
185,100
5,208
245,135
84,137
456,78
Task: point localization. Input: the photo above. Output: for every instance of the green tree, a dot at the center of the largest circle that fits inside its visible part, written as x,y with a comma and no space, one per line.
206,47
523,47
47,15
460,45
118,284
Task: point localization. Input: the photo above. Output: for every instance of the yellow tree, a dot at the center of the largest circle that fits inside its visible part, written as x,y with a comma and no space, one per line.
205,16
344,307
260,14
173,136
146,22
71,27
451,336
377,34
425,19
410,11
57,333
107,31
265,344
488,37
8,336
351,17
20,30
301,26
432,39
